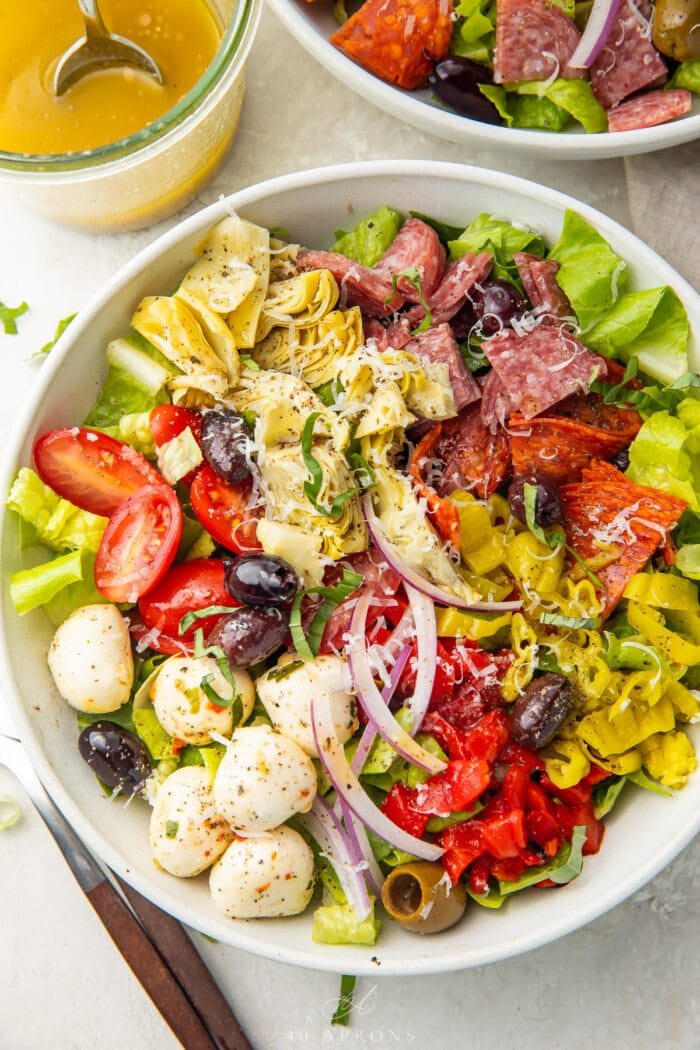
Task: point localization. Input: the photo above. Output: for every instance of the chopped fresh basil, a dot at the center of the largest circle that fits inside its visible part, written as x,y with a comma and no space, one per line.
171,828
307,648
60,329
8,316
217,700
342,1010
313,488
198,614
412,274
277,674
574,622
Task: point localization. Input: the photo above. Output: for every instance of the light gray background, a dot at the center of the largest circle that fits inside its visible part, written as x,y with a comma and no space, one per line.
628,981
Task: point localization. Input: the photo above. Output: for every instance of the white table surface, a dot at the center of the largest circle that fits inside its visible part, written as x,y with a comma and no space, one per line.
629,980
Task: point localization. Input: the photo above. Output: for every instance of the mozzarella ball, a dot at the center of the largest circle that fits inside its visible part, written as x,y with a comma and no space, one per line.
90,659
187,834
287,698
264,877
184,709
263,779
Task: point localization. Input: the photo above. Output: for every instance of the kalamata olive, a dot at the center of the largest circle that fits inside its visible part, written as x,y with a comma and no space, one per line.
540,711
225,439
548,508
250,634
456,80
118,757
261,579
622,460
420,897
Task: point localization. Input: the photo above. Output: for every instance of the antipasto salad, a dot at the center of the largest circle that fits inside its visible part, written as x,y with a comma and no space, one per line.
375,569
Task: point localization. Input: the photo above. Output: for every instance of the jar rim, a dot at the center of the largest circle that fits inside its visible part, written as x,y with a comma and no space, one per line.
232,45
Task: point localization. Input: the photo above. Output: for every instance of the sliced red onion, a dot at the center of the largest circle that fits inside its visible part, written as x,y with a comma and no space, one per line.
370,731
426,655
414,579
598,28
361,848
323,825
348,787
371,699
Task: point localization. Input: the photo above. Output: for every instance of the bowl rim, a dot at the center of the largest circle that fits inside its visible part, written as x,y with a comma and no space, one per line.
414,110
94,838
230,54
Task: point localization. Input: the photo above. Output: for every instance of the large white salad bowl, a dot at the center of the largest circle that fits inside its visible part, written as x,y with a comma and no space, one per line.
313,24
644,832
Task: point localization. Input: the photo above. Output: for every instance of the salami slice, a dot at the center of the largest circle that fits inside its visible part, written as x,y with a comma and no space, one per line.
539,277
541,367
391,335
496,403
458,280
439,345
609,519
474,458
359,286
628,60
655,107
399,40
534,41
416,245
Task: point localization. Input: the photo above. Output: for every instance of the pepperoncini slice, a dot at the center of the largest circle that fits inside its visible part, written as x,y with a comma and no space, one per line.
650,622
453,623
533,564
629,728
669,757
566,762
663,591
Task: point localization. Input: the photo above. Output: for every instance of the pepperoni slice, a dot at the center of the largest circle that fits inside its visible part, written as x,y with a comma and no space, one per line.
398,40
656,107
475,458
440,346
628,60
607,514
541,367
443,513
534,41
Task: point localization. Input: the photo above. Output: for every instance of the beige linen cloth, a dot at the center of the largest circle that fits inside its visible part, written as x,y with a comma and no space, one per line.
664,199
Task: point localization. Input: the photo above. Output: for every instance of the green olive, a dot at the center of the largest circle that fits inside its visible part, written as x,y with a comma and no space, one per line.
420,896
676,28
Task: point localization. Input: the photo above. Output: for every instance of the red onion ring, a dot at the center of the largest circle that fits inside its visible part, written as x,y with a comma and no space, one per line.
323,825
357,837
598,28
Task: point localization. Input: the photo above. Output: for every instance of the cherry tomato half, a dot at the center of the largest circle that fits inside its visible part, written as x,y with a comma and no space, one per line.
92,470
185,588
167,421
222,508
139,544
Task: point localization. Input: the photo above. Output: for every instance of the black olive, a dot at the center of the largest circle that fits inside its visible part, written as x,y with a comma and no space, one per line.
548,508
225,444
455,81
261,579
250,634
115,755
540,711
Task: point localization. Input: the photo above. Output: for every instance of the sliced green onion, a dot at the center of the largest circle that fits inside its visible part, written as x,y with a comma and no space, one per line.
313,488
342,1010
332,596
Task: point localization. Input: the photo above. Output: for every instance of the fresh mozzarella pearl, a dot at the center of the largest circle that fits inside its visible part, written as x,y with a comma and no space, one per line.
263,779
264,877
183,708
90,659
287,699
187,834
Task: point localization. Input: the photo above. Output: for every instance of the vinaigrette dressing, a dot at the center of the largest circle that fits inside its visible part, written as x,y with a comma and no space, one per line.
181,35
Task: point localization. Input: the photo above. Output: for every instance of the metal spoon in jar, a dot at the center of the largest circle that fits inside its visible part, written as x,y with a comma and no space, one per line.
99,49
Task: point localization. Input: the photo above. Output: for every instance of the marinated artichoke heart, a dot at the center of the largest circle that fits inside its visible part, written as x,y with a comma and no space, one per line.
300,301
282,404
232,274
312,353
424,387
169,324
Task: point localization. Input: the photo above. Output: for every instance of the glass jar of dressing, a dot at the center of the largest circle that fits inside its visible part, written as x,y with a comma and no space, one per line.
118,151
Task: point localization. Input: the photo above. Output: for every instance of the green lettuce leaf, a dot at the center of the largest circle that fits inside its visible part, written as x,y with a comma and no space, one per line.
606,794
574,98
370,239
58,523
662,455
338,924
121,395
502,238
652,325
30,588
474,34
687,76
564,867
590,272
688,561
75,595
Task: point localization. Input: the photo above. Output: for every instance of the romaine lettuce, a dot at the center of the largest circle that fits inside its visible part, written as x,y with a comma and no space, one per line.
30,588
502,238
370,239
574,97
338,924
474,34
590,272
58,523
663,455
687,76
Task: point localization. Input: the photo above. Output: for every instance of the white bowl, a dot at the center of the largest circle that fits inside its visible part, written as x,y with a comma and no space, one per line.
644,833
312,25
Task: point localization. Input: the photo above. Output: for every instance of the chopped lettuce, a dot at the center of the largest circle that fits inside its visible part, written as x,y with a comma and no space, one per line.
149,729
58,523
30,588
590,272
564,867
60,329
687,76
666,453
525,111
502,238
574,98
338,924
135,430
121,395
474,33
688,561
370,239
652,325
75,595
